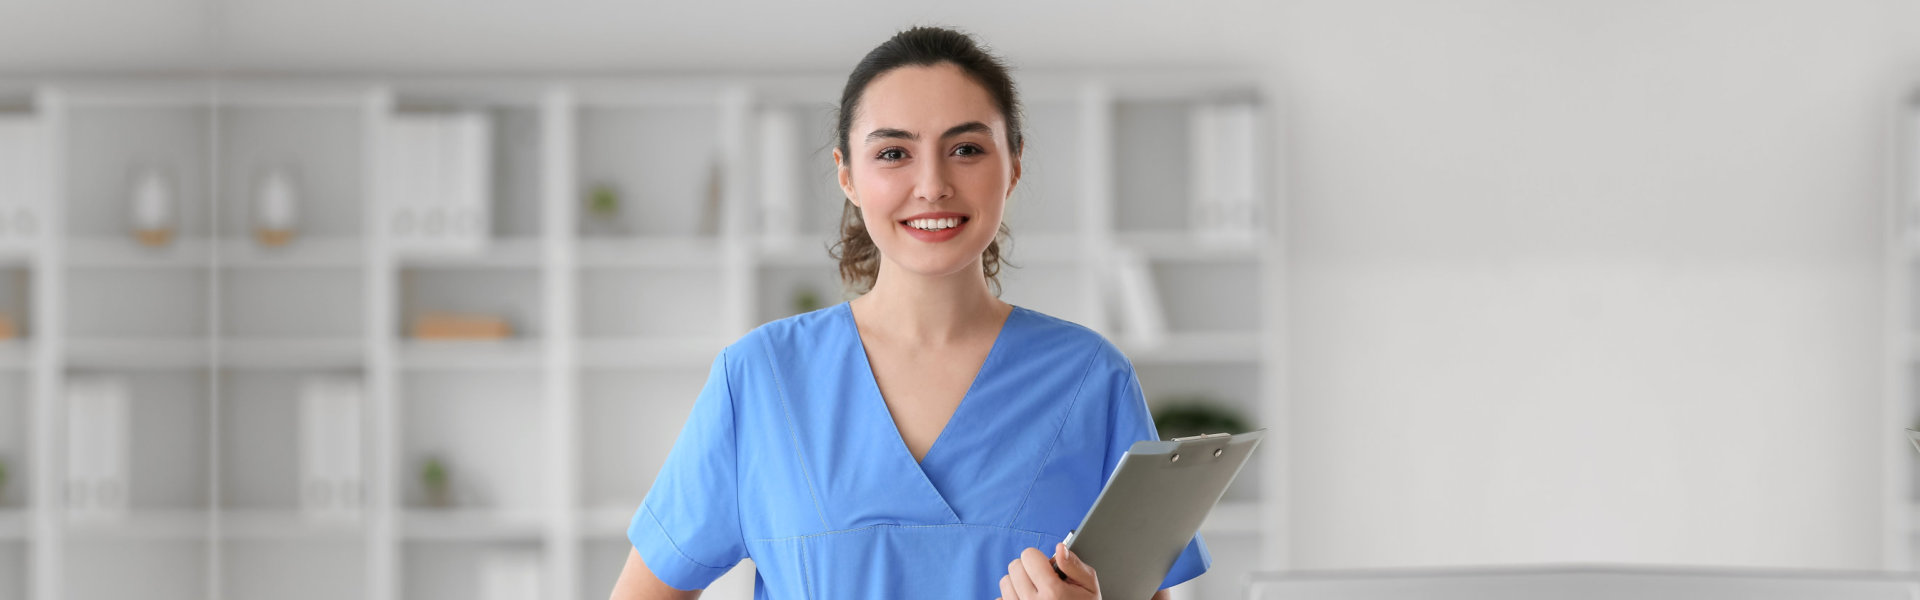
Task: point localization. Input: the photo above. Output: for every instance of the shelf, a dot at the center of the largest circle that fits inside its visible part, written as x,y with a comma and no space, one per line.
1199,347
182,93
654,252
301,253
143,525
794,253
470,355
13,524
195,353
1046,249
183,353
287,94
1233,518
471,525
288,525
292,353
509,253
125,253
645,310
1182,246
640,353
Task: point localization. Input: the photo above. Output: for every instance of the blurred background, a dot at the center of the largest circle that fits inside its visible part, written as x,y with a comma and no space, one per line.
408,299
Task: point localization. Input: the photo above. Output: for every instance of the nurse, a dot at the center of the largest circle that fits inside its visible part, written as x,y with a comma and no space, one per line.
926,439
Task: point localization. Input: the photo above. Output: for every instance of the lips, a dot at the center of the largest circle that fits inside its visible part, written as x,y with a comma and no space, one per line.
935,227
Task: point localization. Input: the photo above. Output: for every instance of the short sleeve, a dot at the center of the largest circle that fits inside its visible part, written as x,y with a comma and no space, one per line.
687,529
1133,422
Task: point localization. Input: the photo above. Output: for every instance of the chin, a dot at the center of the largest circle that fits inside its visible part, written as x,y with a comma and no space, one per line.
942,266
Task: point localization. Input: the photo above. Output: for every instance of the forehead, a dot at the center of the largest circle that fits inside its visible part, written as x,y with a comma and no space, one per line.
922,99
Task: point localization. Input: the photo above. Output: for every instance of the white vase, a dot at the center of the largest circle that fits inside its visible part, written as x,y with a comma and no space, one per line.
152,207
276,209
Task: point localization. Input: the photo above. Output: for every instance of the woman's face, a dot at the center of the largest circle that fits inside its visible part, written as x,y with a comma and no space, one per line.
930,168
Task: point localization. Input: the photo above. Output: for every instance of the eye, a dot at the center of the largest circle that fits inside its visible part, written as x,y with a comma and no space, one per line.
891,154
968,150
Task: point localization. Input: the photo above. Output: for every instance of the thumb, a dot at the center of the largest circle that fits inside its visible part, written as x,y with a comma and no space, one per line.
1078,573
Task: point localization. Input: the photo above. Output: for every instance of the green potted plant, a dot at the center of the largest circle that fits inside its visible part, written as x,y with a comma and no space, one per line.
805,299
433,478
1191,415
603,210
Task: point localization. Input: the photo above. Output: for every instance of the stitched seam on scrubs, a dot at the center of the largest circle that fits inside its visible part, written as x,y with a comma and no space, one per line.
1060,430
793,430
899,526
806,571
669,539
733,427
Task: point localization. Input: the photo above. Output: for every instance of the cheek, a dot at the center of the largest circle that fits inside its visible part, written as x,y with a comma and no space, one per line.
879,190
988,188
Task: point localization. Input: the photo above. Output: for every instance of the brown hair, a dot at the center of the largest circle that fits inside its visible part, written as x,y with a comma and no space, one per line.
919,46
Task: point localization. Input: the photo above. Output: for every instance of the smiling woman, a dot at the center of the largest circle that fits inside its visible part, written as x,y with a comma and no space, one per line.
969,71
926,439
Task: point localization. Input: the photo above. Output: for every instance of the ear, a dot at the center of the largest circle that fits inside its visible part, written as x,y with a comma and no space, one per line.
1015,182
845,172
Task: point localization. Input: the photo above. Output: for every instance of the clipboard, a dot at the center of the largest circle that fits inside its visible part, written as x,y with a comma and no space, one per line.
1153,505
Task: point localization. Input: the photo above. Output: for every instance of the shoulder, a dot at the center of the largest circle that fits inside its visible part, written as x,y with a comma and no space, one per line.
789,338
1061,342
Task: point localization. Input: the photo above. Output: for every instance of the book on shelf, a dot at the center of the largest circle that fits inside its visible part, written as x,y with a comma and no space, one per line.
1142,321
330,481
1224,209
780,182
23,175
437,196
97,431
438,326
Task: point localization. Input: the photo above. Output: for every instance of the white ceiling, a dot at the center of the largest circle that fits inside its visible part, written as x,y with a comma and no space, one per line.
505,36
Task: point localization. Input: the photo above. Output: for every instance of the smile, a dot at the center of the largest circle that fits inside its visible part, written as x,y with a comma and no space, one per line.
935,224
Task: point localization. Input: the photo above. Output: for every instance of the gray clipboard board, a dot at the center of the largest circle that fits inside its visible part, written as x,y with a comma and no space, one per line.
1153,505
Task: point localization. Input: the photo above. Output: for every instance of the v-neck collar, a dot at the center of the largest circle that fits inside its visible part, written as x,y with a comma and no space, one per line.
879,402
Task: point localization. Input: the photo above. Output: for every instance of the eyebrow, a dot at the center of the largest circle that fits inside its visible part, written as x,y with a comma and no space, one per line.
963,128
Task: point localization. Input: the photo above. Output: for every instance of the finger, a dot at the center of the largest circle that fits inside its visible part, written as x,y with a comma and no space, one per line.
1040,569
1022,583
1006,588
1079,573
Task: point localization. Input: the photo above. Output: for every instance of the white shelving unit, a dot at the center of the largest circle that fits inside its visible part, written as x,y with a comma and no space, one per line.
551,436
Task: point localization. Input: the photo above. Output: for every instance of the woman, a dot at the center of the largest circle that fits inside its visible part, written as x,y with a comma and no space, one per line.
925,439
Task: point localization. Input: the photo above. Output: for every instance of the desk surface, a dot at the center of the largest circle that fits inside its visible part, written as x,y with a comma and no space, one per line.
1585,582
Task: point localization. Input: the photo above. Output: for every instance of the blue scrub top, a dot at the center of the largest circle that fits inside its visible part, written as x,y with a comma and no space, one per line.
791,458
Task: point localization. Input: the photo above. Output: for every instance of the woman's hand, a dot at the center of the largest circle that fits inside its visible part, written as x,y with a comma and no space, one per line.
1032,577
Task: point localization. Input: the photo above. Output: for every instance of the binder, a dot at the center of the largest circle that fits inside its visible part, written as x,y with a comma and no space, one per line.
1153,505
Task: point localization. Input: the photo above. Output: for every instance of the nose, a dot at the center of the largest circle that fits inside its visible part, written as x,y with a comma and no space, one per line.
931,183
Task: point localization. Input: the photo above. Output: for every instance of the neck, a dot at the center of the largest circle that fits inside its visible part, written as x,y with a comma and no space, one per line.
920,309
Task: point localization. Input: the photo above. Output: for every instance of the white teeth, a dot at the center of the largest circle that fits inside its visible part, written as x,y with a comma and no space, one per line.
933,224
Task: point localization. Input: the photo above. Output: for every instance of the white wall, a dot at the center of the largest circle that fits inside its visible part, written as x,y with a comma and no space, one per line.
1571,281
1588,281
